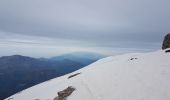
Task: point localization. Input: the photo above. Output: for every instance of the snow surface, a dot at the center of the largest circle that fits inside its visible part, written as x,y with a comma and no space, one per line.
135,76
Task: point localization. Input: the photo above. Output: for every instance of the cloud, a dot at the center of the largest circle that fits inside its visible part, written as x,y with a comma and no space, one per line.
85,23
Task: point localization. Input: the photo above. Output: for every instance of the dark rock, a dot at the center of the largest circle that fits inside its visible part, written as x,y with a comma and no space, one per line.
73,75
62,95
133,58
166,42
167,51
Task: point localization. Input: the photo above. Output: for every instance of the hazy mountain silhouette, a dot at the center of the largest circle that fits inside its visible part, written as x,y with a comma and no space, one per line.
20,72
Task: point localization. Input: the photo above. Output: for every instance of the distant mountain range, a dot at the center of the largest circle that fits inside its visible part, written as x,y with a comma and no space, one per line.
133,76
20,72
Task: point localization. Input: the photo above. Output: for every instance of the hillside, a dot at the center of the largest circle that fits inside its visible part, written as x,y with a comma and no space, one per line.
135,76
20,72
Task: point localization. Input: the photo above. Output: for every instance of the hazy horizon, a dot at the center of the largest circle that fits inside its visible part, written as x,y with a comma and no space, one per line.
40,28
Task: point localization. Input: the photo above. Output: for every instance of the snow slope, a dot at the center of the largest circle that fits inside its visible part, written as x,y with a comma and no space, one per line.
136,76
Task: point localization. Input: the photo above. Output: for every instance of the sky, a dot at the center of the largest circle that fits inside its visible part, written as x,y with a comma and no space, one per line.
45,28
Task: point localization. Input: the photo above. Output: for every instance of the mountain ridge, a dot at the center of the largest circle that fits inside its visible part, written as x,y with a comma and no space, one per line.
19,72
135,76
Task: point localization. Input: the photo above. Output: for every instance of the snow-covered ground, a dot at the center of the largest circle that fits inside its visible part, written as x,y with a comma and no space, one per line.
135,76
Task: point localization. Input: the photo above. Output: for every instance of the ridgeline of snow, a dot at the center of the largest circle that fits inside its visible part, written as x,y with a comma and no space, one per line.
136,76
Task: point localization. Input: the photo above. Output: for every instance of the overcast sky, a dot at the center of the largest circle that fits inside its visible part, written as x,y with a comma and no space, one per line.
51,27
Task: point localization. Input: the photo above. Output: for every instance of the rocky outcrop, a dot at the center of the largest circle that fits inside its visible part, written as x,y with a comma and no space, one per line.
166,42
167,51
73,75
62,95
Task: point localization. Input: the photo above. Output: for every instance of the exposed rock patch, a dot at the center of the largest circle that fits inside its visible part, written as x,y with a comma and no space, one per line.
167,51
166,42
62,95
73,75
133,58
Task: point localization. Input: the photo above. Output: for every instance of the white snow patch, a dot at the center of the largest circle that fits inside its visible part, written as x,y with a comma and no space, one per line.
112,78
